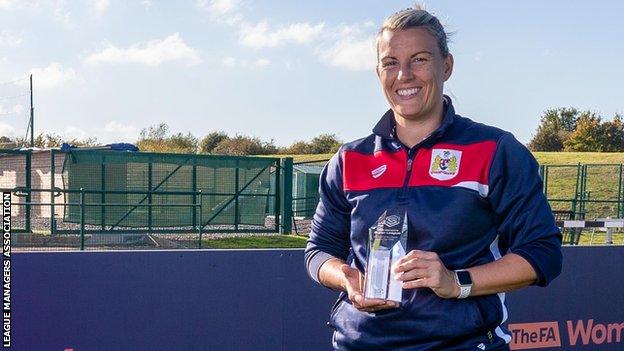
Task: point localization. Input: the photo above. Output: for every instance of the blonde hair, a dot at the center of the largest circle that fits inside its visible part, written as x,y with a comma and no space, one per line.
416,17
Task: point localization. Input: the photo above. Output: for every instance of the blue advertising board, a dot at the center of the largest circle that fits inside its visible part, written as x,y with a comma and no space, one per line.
263,300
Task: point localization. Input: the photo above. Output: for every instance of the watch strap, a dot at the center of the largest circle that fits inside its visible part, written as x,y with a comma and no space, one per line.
464,290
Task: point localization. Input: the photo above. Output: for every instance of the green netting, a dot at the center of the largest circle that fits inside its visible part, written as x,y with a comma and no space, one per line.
235,190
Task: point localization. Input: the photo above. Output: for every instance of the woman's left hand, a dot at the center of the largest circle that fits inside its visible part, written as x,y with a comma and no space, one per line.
424,269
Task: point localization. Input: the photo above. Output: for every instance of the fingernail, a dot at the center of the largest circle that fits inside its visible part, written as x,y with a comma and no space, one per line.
398,276
358,298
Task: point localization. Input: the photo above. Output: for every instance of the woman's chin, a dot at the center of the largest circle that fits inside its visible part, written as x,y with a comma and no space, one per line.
409,113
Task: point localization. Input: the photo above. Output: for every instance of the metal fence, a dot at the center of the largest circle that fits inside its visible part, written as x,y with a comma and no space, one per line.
99,198
96,198
589,191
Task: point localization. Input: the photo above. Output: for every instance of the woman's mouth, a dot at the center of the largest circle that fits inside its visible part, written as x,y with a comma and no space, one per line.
407,93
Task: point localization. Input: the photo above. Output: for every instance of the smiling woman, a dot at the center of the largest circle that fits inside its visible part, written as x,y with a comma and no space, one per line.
478,224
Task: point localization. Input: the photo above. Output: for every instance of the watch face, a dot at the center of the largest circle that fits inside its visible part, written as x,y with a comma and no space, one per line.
464,278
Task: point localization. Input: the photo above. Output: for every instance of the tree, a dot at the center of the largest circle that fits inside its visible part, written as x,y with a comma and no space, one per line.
325,144
156,138
322,144
50,140
554,129
243,145
298,148
210,141
6,142
183,143
612,135
587,134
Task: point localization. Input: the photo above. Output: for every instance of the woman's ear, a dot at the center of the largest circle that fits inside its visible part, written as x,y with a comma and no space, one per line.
448,67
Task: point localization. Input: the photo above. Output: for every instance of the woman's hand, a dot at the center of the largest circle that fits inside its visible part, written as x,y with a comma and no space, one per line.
353,282
423,269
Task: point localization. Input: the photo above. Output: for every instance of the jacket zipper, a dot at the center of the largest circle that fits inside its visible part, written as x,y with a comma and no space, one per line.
410,162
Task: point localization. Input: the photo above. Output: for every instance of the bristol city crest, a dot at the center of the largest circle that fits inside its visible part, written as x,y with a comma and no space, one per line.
444,163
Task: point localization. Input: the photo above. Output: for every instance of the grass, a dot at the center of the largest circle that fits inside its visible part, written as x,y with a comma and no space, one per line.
598,238
573,158
603,180
257,242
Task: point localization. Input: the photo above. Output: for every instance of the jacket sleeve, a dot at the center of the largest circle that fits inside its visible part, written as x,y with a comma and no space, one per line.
524,219
331,223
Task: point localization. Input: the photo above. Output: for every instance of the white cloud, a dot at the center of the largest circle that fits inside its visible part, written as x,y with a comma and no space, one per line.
6,129
227,11
219,6
50,77
152,53
352,54
100,6
351,47
262,62
261,35
5,4
234,62
120,131
147,4
9,39
19,108
229,61
62,16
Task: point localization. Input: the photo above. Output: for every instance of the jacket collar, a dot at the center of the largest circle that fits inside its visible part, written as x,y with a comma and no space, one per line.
386,127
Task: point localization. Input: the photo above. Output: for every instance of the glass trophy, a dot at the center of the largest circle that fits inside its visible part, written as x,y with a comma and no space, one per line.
386,245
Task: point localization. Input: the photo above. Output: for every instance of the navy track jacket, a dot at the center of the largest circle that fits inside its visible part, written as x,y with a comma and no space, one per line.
472,193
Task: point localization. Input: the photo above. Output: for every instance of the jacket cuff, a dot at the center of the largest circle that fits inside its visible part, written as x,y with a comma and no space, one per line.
545,261
315,262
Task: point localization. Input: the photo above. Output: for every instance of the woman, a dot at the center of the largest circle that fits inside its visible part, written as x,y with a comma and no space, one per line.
478,223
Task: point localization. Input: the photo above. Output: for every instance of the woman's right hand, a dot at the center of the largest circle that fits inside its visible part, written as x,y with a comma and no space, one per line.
353,283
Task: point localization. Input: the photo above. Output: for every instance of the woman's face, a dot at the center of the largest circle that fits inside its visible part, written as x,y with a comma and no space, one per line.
412,72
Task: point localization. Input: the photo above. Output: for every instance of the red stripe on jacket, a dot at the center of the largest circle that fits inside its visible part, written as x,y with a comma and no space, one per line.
474,164
358,170
363,172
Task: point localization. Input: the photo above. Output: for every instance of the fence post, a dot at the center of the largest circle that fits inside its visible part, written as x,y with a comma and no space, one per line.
103,194
609,235
52,194
546,181
194,179
277,209
199,226
28,185
286,198
541,174
620,211
576,188
236,193
82,219
149,197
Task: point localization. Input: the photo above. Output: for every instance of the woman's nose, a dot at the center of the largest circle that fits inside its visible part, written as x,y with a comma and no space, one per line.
405,74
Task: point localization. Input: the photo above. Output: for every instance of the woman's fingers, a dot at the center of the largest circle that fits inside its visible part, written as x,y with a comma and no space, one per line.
412,274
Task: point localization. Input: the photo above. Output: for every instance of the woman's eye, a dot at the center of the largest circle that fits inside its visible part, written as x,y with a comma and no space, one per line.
419,60
388,64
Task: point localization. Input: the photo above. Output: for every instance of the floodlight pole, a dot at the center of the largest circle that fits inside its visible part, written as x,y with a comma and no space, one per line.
32,116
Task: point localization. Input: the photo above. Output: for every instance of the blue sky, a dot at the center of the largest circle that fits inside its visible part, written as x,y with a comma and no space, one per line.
290,70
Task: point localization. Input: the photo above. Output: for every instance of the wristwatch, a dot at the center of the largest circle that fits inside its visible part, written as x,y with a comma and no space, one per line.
463,279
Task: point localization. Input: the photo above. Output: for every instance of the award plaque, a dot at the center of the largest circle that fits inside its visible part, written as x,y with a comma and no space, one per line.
386,245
